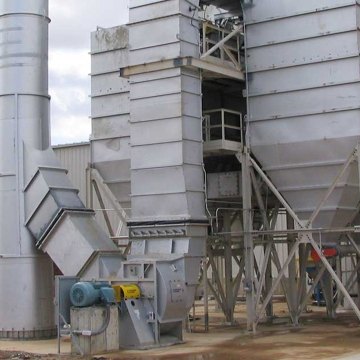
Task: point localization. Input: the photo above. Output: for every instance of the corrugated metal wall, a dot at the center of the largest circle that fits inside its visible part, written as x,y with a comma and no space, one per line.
76,158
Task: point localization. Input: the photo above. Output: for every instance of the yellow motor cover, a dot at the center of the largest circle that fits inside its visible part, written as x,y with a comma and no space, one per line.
126,291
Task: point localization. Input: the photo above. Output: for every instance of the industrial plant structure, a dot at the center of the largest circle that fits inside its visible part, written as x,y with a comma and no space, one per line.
213,122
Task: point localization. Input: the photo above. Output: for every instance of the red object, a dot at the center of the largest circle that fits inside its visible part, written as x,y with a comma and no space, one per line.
327,252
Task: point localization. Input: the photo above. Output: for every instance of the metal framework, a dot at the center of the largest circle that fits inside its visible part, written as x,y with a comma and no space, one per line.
104,196
258,283
231,255
300,241
220,43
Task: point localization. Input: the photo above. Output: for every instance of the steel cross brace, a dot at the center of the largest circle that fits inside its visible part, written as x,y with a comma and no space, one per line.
349,284
270,248
308,238
318,276
221,43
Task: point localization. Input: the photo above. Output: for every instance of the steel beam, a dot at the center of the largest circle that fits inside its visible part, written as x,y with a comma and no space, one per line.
248,239
273,189
306,298
221,43
331,188
263,272
206,295
338,282
228,271
103,208
278,279
349,283
304,251
215,69
354,244
327,288
220,294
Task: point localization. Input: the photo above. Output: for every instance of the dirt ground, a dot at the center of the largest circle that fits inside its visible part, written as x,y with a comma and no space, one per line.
316,338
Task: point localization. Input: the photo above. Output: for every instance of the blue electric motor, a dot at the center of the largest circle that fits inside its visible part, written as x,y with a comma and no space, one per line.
85,293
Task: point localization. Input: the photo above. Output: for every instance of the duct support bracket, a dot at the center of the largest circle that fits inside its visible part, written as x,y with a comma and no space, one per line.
209,69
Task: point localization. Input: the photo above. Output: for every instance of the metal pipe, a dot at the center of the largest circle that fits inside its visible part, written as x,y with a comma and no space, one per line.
354,229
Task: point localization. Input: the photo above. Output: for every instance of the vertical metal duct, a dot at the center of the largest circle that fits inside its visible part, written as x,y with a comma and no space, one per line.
167,180
25,274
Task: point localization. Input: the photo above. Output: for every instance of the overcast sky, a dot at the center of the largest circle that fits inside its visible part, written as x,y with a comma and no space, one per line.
69,62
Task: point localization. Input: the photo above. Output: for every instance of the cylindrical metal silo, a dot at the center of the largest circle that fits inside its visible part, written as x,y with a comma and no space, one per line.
26,275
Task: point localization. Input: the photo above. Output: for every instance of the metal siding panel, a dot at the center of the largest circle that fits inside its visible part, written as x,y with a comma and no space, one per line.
307,101
161,31
104,40
158,9
267,10
114,104
290,78
317,24
110,139
304,100
107,84
306,51
76,159
110,127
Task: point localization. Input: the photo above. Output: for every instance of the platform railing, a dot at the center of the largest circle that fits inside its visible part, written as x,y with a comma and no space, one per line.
222,124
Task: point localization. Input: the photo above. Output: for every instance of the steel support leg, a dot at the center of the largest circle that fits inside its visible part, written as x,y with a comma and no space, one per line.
338,282
355,155
358,280
268,281
292,280
248,241
266,270
304,251
327,287
206,295
228,270
278,279
307,296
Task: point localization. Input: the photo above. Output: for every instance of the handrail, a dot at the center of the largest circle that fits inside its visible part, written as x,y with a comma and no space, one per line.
221,124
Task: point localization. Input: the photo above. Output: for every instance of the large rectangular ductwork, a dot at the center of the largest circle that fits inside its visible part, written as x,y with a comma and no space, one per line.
168,224
60,223
167,181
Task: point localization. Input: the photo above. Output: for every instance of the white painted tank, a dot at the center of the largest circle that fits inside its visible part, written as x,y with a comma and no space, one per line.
25,274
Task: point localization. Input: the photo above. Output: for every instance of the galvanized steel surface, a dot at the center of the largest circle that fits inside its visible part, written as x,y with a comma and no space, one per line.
110,111
165,107
27,275
303,70
76,158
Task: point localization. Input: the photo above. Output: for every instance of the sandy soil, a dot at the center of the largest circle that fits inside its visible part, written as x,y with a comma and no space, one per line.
316,338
